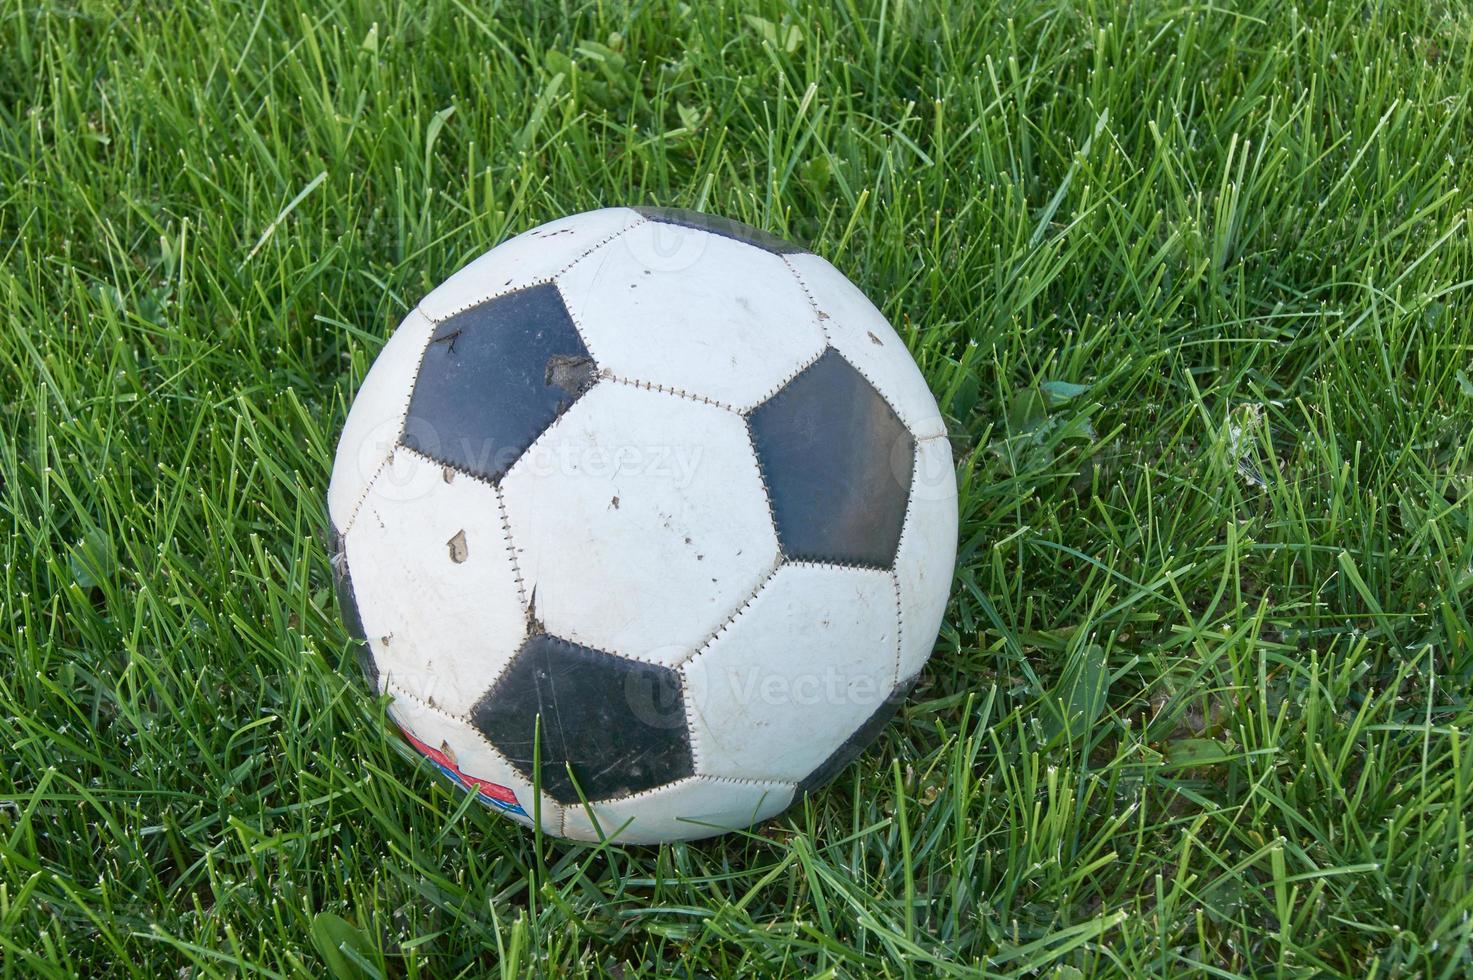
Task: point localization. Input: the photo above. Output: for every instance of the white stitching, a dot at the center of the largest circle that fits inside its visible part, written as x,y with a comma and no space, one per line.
803,366
855,566
905,522
544,280
819,316
426,458
688,708
766,490
419,361
557,420
511,548
733,616
793,783
358,504
738,780
429,705
568,307
899,621
402,414
607,375
900,542
822,316
389,685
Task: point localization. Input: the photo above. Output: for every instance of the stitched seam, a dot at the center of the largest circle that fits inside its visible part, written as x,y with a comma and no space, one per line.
564,413
899,624
607,375
690,717
389,686
733,616
631,796
511,548
611,651
506,536
791,783
403,413
606,650
633,657
822,316
861,566
601,243
419,362
363,496
839,566
766,487
539,281
939,435
788,379
739,780
880,390
819,316
482,477
456,468
567,307
578,330
498,294
905,522
747,781
900,543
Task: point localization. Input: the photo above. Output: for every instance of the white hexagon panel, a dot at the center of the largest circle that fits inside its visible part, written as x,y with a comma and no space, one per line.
698,313
640,522
651,511
795,673
435,582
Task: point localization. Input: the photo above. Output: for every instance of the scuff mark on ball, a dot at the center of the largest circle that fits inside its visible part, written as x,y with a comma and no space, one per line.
458,550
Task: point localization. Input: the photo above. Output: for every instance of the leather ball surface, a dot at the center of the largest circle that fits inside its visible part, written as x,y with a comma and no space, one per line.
650,510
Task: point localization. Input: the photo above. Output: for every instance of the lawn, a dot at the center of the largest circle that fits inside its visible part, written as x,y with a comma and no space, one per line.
1191,283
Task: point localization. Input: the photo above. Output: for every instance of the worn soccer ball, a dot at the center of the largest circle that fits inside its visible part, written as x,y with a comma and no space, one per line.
649,510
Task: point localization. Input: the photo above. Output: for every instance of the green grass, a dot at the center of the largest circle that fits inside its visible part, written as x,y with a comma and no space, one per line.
1202,702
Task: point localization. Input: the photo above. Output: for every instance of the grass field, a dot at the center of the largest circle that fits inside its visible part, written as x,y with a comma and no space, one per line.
1191,283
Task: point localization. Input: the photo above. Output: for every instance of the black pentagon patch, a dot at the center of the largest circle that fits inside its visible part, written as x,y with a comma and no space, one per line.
619,724
725,227
837,463
855,744
342,582
493,378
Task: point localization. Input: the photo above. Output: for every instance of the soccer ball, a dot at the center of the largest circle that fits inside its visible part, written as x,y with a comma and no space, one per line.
649,510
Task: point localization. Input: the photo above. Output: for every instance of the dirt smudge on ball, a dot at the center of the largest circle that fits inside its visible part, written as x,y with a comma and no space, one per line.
574,373
458,550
